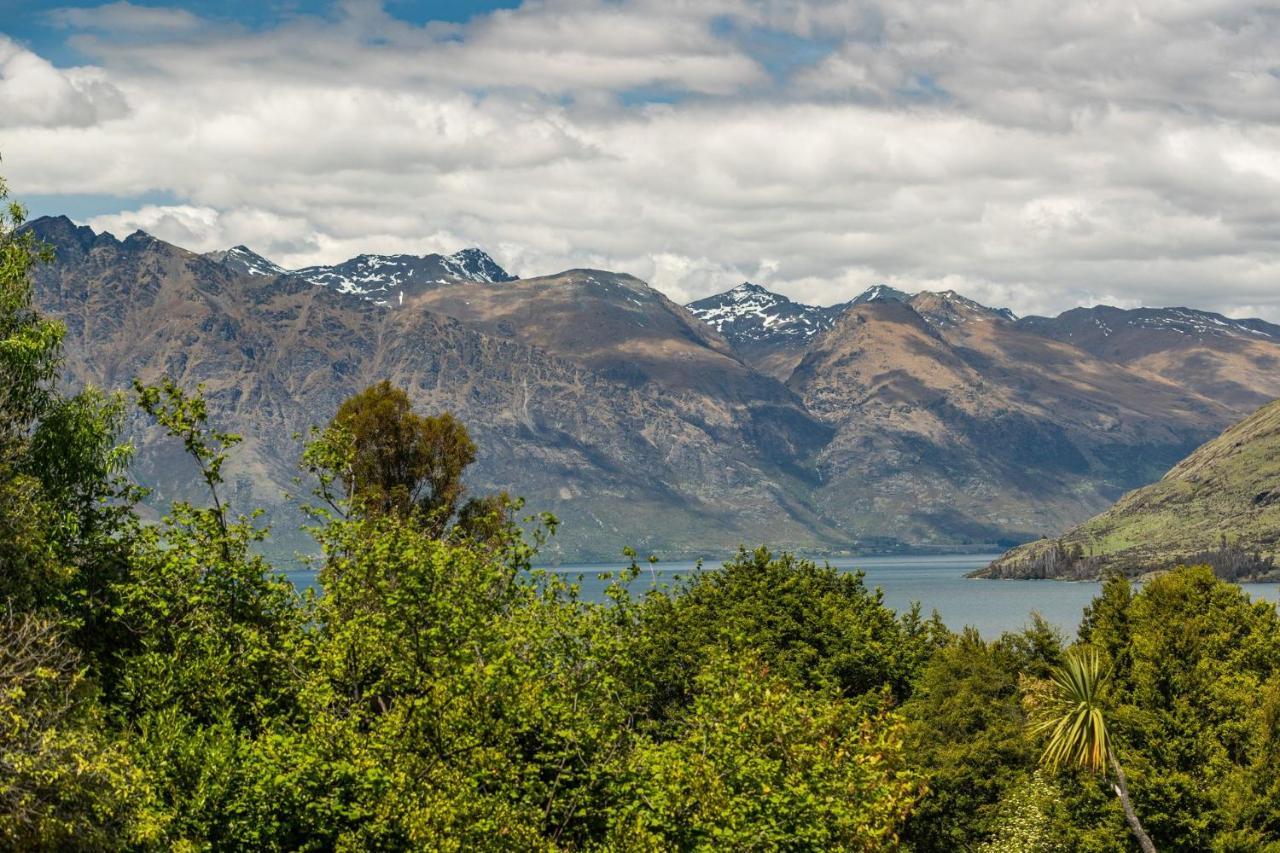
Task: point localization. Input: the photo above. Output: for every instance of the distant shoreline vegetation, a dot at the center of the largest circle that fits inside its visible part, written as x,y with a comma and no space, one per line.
1052,559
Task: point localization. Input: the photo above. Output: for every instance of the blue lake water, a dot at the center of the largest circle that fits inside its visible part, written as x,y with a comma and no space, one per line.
937,582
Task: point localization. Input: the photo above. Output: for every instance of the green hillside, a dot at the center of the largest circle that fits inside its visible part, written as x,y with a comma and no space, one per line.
1220,505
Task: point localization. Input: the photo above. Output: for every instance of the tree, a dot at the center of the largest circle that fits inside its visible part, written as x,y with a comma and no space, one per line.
63,500
1193,682
1069,710
967,734
64,785
30,348
814,625
391,460
757,763
1026,820
30,345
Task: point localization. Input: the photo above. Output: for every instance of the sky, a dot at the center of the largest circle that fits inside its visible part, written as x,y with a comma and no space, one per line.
1032,154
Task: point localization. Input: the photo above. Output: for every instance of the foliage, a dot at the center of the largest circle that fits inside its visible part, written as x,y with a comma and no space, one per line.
967,733
30,345
758,764
1196,670
63,784
1068,707
1027,820
391,460
63,500
1068,710
812,625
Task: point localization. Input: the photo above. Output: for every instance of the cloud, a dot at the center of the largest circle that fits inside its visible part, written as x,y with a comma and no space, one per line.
1032,154
33,93
1057,64
125,18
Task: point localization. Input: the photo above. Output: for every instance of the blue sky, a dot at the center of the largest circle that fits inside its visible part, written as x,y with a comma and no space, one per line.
1029,153
30,21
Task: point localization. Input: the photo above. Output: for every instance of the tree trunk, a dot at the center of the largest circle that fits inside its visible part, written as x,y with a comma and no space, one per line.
1122,791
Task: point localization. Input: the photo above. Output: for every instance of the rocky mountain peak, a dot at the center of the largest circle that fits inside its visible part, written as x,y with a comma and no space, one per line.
599,399
947,308
881,293
477,265
244,261
747,289
382,279
751,313
140,239
71,241
1105,321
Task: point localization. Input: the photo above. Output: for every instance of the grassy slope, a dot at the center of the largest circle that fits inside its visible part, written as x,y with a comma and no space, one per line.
1228,487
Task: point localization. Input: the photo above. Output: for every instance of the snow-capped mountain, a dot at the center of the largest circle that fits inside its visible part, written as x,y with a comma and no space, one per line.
750,313
1090,326
589,392
378,278
245,261
771,332
881,293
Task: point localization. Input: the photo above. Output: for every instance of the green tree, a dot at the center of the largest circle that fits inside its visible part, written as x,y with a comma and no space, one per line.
967,734
30,345
813,625
30,351
210,646
756,763
460,700
1026,820
391,460
64,783
1069,710
1194,682
63,500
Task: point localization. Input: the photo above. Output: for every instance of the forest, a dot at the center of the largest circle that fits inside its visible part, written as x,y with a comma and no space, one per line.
162,686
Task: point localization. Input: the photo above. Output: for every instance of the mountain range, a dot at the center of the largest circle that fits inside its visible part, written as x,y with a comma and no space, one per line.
893,421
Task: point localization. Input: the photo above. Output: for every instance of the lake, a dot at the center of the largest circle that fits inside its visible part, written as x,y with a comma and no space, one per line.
937,582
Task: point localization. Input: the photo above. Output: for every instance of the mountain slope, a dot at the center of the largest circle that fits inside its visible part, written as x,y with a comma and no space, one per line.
378,277
910,422
621,328
1220,505
947,309
767,329
242,260
1232,360
957,426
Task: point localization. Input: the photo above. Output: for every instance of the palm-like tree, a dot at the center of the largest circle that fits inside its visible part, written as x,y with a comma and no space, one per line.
1073,718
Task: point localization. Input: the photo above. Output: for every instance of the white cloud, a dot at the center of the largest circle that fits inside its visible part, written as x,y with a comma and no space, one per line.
126,18
33,93
1033,155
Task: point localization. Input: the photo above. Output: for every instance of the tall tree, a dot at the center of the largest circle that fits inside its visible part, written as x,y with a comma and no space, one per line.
1069,709
30,345
392,460
61,492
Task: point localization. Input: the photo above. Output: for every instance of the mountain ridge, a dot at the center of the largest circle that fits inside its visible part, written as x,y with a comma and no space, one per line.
923,421
620,462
